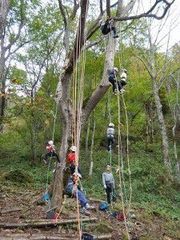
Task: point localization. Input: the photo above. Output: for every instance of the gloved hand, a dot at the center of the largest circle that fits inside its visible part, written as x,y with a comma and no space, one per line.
104,186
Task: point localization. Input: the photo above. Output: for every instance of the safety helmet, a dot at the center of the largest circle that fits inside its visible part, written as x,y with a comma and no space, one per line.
108,167
77,174
50,142
115,69
111,124
73,148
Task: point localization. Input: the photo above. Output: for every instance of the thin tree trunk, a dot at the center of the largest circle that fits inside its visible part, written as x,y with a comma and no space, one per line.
4,7
87,138
92,146
165,145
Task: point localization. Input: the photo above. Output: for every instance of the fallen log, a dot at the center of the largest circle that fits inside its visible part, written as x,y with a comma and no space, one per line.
14,236
106,236
47,223
10,210
35,237
95,200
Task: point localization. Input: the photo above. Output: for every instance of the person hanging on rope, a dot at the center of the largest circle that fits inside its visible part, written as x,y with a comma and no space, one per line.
72,189
108,26
71,159
51,152
112,77
108,183
118,85
123,80
110,136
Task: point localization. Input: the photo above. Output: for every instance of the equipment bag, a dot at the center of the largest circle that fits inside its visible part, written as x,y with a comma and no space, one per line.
103,206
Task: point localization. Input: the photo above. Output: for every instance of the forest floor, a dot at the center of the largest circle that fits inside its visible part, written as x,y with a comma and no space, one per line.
19,205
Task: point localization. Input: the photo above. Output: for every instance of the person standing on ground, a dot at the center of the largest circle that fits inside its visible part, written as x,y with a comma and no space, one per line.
108,183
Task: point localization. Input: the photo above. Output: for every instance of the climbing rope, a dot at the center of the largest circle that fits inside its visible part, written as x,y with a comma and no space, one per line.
120,165
124,200
77,101
127,153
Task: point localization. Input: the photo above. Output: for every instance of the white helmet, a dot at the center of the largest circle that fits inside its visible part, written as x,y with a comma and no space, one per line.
111,124
77,174
115,69
124,70
50,142
73,148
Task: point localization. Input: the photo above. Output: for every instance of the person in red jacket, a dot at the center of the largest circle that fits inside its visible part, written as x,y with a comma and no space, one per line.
51,152
71,159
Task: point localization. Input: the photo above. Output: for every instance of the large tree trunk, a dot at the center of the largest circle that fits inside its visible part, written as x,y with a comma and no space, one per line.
4,7
165,145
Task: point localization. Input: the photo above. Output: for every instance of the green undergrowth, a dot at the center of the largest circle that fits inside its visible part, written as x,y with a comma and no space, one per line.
152,187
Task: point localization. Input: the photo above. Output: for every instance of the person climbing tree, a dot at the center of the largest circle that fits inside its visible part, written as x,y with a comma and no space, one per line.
112,77
108,26
51,152
71,159
108,183
73,190
110,136
123,80
117,84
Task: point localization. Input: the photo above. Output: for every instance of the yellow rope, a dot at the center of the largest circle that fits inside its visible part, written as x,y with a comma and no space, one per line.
120,154
127,151
120,163
78,87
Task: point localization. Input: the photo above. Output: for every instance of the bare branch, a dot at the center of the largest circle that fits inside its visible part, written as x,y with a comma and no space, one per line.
101,7
149,13
93,44
75,8
108,8
146,66
61,7
16,49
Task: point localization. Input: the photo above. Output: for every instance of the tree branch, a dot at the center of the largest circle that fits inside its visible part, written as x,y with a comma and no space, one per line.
19,29
149,13
108,8
61,7
146,66
75,8
101,7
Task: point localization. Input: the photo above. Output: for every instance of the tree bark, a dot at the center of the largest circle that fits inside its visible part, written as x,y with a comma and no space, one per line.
4,8
92,146
165,145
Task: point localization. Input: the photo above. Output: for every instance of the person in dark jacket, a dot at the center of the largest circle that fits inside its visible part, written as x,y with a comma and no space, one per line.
117,85
108,26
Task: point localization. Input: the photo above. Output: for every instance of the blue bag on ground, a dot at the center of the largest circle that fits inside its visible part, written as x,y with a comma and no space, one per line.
103,206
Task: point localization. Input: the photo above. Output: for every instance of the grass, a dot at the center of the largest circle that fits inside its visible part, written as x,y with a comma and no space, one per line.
152,188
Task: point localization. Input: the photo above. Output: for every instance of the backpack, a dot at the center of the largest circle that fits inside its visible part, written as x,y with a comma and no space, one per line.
87,236
103,206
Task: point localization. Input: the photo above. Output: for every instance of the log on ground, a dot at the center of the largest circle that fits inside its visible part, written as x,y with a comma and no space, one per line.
47,223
